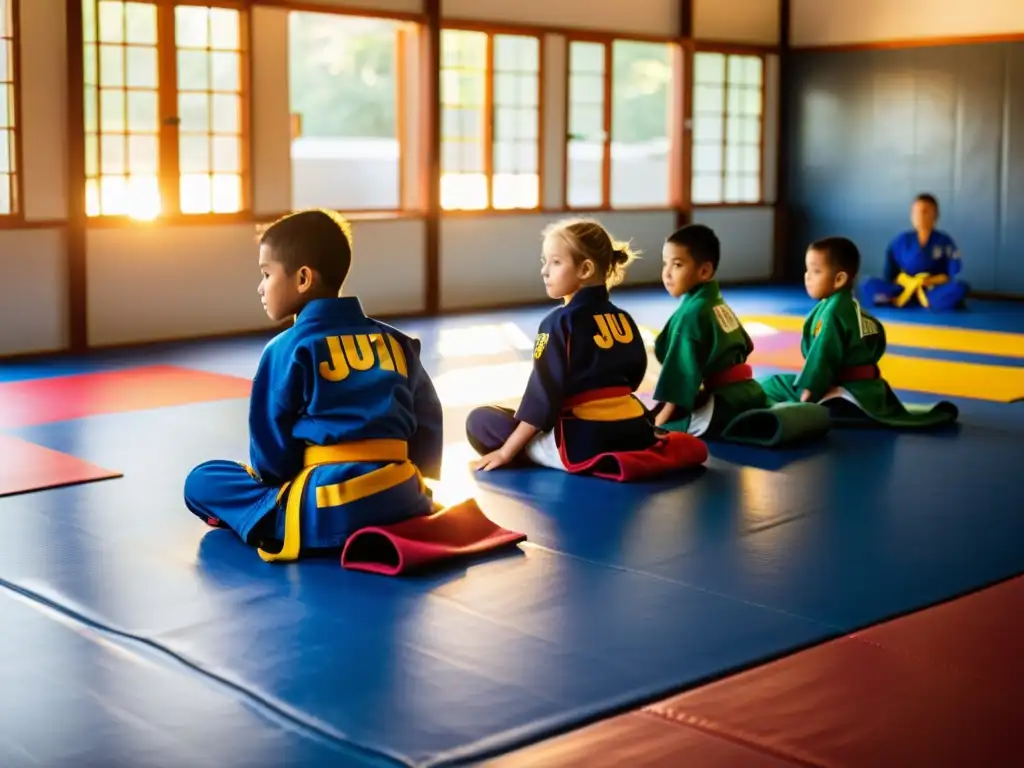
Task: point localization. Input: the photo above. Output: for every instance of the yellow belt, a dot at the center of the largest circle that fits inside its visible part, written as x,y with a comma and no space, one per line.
609,409
915,285
396,451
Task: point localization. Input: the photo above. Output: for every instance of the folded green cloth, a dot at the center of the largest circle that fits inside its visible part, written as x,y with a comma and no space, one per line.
780,425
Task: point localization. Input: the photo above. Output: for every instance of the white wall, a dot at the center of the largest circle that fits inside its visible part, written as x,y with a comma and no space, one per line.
738,21
644,17
497,260
151,281
844,22
33,291
747,241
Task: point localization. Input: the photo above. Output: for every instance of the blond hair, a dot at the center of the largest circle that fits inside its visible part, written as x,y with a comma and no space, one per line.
588,240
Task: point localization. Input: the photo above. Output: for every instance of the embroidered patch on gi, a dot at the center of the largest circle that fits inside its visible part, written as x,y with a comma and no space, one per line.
726,318
937,252
817,328
539,345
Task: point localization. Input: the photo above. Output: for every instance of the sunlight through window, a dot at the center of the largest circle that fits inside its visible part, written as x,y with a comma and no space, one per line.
122,123
344,74
209,60
490,114
728,94
139,162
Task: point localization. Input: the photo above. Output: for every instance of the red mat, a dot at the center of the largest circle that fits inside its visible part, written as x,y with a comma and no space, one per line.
28,467
62,398
941,687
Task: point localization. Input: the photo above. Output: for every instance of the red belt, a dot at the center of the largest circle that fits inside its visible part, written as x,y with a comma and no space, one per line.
860,373
731,375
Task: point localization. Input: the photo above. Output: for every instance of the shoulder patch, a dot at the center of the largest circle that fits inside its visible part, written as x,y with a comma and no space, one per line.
539,344
817,327
726,318
866,325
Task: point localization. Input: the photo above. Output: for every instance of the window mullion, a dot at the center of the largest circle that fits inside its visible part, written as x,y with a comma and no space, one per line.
169,119
606,154
488,122
725,131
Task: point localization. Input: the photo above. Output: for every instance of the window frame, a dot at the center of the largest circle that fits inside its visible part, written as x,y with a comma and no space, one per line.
728,51
169,142
16,216
487,132
674,130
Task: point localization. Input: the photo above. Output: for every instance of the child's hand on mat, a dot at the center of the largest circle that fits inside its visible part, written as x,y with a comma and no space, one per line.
492,460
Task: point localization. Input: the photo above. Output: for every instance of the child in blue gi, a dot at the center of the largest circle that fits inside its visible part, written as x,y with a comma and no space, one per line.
579,413
921,265
343,419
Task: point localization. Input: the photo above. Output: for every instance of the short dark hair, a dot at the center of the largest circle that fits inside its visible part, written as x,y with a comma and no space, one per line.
841,253
926,197
700,241
318,239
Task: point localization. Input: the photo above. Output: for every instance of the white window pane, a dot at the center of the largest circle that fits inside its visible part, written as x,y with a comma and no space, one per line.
111,21
143,155
224,29
752,131
140,23
112,154
708,130
733,188
191,26
140,67
194,153
5,194
227,193
463,191
709,68
751,159
586,57
195,192
529,90
733,159
520,190
707,158
706,189
751,189
516,53
708,99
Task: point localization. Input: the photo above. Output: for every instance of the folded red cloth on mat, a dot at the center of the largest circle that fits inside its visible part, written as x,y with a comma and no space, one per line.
673,452
456,531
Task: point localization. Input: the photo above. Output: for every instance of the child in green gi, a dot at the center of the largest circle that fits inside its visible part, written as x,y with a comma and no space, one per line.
842,345
705,381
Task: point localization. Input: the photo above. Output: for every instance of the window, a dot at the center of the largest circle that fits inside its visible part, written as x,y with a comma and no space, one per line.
163,109
490,120
728,96
620,98
8,168
343,74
